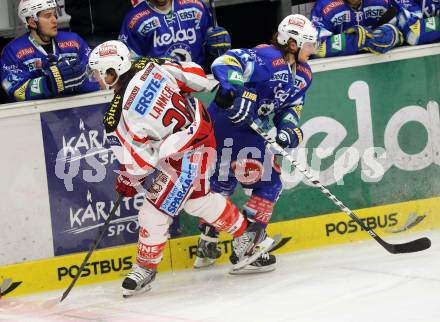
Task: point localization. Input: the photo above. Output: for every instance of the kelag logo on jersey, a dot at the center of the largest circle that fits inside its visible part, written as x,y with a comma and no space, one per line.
181,35
189,14
374,11
149,25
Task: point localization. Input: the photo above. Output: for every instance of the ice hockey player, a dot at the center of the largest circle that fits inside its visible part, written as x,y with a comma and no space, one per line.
180,29
345,27
163,136
419,20
262,83
44,62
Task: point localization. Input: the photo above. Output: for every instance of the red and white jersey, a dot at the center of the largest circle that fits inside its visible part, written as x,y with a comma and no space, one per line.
155,117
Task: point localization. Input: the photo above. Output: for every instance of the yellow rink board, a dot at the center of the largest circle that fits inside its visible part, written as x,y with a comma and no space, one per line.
111,263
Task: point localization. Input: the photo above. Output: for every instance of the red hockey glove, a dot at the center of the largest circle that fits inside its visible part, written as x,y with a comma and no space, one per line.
128,185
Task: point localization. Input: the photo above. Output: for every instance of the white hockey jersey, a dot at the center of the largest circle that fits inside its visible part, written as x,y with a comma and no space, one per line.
154,117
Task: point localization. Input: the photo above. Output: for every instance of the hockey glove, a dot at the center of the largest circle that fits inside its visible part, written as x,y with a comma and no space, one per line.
384,38
243,108
218,41
128,185
289,136
362,33
67,76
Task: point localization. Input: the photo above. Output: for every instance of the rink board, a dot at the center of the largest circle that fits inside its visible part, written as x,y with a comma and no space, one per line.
112,263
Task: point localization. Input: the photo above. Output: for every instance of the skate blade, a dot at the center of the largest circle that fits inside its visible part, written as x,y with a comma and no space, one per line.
264,247
249,269
130,293
203,262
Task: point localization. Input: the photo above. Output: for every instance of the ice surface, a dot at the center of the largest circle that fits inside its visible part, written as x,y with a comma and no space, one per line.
357,282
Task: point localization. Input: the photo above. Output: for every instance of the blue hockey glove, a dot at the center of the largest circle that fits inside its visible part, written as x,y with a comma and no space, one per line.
289,136
67,76
218,41
362,34
243,107
384,38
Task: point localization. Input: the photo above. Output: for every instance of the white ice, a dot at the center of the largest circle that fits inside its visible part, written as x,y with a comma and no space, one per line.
358,282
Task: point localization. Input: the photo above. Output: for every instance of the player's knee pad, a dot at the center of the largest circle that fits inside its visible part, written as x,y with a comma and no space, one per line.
153,224
258,209
218,211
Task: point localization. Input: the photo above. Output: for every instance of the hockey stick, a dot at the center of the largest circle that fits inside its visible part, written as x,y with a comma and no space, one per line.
99,236
409,247
386,17
213,12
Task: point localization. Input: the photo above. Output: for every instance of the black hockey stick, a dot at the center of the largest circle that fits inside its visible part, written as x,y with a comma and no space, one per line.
386,17
409,247
213,12
98,239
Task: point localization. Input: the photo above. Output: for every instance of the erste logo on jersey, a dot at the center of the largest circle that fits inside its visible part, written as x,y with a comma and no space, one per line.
300,82
190,14
181,35
148,25
340,18
281,76
150,92
374,12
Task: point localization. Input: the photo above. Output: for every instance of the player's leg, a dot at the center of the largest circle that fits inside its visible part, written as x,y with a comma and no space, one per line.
262,176
153,235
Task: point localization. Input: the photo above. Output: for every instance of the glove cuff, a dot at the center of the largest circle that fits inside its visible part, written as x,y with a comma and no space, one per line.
57,79
224,99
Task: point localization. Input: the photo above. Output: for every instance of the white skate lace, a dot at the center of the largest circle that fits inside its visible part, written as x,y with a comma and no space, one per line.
243,245
140,274
265,256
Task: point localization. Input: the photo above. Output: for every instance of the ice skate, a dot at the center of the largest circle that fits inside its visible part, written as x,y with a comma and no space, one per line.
250,245
265,263
207,248
138,281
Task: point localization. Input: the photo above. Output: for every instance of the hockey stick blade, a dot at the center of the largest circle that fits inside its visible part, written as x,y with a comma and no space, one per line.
410,247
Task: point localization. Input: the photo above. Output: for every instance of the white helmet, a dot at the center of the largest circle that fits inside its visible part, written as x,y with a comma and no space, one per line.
110,54
297,27
30,8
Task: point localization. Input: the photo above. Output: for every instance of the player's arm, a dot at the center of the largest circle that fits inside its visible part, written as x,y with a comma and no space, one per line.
130,36
190,76
90,84
417,29
335,43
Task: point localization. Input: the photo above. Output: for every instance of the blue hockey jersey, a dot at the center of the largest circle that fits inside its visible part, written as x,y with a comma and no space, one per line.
333,17
419,20
23,63
181,34
281,94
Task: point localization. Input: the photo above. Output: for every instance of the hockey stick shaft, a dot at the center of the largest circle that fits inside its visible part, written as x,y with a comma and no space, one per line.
98,239
213,12
413,246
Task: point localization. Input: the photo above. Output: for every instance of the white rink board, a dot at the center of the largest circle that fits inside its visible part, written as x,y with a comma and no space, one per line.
358,282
